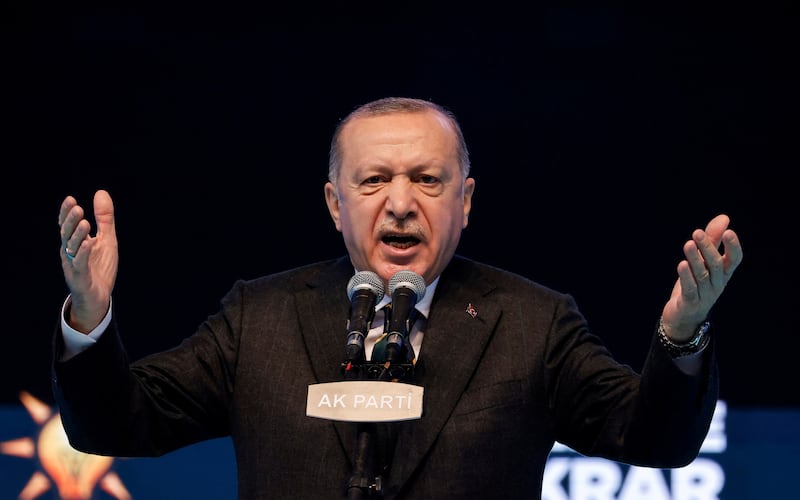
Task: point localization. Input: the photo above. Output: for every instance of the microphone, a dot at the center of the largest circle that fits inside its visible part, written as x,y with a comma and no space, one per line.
365,289
407,288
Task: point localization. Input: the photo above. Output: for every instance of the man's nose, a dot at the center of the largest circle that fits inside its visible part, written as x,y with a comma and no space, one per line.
401,199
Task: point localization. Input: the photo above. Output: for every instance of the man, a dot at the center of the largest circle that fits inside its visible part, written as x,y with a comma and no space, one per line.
508,366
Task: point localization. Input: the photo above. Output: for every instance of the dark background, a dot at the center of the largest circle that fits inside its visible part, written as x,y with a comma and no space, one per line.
600,138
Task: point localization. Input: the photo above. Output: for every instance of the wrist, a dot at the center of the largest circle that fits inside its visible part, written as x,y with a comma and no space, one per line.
694,344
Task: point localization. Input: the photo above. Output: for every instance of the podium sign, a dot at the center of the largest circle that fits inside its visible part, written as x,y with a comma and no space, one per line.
364,401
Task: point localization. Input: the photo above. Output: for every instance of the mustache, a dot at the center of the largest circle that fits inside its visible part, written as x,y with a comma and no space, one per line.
401,227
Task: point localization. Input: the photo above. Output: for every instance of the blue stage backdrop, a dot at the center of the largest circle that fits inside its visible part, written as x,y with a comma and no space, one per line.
748,454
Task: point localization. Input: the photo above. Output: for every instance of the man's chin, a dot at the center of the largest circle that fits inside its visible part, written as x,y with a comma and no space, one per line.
387,270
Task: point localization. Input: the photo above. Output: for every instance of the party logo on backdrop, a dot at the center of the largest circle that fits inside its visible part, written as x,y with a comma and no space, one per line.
74,474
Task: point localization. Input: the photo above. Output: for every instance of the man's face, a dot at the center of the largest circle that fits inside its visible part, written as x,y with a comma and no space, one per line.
399,201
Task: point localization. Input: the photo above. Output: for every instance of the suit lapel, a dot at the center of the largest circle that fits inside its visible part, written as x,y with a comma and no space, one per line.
460,325
323,309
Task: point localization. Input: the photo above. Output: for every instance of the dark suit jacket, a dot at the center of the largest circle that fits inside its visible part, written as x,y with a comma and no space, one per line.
500,388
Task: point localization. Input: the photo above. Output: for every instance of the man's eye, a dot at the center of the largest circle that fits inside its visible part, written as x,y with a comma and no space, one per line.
373,180
428,179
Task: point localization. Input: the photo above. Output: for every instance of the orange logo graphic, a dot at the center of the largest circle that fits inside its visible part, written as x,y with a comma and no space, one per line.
74,473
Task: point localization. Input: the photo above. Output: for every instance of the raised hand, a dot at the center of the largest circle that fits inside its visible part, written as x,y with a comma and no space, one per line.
701,277
89,262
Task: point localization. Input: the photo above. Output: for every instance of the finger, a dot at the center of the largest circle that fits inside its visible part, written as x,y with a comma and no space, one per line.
712,267
716,227
69,220
72,245
104,213
71,252
65,208
733,252
696,263
687,283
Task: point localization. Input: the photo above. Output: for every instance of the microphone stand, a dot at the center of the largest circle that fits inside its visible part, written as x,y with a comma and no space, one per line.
364,482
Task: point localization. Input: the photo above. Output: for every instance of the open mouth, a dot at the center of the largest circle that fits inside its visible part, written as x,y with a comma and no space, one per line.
400,241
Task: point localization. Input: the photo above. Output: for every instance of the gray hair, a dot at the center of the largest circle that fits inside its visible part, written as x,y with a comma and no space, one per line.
389,105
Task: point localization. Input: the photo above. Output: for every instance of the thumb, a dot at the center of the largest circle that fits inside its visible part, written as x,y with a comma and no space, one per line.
104,213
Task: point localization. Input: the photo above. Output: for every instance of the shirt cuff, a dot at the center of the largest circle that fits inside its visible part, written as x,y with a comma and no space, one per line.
76,342
691,364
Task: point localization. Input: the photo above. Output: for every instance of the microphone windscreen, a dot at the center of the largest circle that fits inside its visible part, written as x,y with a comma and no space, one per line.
408,279
366,280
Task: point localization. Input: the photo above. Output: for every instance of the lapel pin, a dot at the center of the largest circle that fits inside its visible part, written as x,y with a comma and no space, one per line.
471,310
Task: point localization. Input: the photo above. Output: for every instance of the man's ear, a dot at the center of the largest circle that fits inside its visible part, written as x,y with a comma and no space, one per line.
469,189
332,200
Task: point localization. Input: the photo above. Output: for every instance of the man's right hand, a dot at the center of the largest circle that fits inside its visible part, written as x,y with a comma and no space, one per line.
89,262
